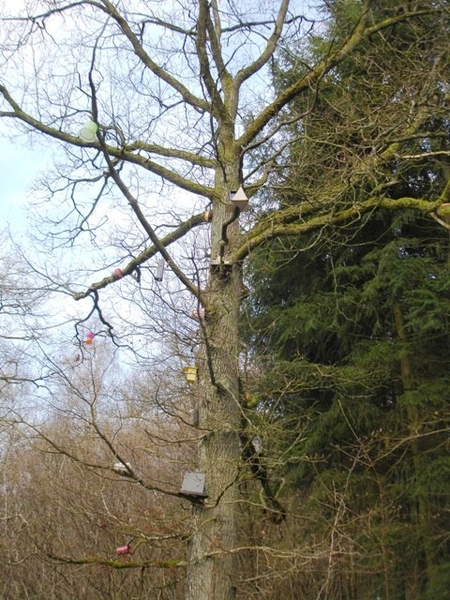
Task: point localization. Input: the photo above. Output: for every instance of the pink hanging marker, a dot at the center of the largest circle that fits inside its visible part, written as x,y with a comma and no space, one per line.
89,337
117,274
121,550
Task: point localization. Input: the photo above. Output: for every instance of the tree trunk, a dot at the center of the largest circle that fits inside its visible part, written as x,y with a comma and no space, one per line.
211,569
418,576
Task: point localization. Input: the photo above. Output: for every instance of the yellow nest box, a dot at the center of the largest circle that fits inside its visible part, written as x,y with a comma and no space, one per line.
191,374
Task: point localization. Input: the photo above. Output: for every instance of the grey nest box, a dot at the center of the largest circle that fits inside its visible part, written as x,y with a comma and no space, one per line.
239,199
194,485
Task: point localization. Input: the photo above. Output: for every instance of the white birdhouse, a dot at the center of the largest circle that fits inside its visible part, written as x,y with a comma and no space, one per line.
239,199
194,484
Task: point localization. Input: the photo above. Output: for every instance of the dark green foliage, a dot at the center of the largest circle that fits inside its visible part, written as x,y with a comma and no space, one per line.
323,329
350,325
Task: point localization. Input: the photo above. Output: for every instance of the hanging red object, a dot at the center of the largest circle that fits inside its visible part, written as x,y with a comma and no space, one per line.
117,274
121,550
89,337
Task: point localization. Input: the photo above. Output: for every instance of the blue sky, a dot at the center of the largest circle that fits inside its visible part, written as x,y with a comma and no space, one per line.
19,167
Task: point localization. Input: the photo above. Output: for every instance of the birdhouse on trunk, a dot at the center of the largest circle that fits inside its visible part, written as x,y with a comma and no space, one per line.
239,199
194,485
191,374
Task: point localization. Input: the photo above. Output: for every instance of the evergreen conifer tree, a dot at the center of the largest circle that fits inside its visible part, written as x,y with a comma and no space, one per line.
350,324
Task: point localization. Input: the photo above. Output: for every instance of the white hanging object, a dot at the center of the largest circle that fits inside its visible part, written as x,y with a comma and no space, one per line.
121,469
160,270
256,441
88,133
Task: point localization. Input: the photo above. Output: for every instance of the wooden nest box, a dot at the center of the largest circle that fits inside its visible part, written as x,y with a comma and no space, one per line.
191,374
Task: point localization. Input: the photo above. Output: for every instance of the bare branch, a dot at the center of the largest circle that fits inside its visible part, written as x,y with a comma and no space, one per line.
149,229
282,225
116,564
269,50
120,153
360,33
146,254
218,109
194,101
